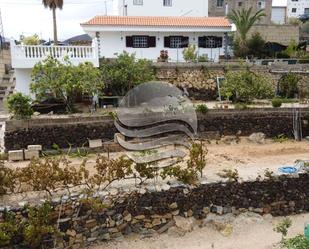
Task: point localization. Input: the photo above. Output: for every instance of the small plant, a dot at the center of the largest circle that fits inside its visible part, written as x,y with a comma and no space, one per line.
280,138
276,102
231,175
283,227
203,58
269,175
189,53
202,108
20,106
186,176
7,179
288,85
163,56
240,106
298,242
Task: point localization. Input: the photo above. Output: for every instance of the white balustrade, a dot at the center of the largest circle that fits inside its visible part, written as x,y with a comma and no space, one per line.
26,56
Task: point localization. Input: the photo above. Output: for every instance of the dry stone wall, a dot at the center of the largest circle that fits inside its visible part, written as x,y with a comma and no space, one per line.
148,213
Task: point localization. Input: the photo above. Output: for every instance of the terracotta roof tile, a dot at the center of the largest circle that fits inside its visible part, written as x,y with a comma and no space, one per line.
159,21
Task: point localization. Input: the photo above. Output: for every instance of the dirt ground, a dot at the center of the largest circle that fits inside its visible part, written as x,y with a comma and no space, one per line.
248,233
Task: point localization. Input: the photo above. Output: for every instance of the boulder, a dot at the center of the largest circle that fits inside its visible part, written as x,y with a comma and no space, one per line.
258,138
185,224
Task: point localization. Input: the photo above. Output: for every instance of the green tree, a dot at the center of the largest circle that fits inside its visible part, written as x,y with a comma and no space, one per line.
20,106
125,72
189,53
30,40
256,45
244,86
63,80
53,5
244,19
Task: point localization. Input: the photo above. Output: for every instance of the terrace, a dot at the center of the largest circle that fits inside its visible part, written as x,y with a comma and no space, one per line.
26,56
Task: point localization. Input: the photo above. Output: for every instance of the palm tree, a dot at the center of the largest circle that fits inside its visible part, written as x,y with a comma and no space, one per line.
53,5
244,19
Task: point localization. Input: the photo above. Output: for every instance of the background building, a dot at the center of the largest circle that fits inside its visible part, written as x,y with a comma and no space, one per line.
222,7
163,8
297,8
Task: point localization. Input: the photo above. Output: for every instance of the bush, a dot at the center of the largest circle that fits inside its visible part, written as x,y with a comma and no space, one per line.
20,106
244,86
203,58
240,106
125,72
202,108
256,45
288,85
189,53
276,102
298,242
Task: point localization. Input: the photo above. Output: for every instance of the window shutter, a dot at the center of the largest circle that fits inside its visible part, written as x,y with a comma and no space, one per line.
184,41
202,42
152,41
167,41
129,41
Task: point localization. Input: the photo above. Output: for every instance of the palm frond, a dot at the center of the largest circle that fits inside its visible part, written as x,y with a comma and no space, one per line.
53,4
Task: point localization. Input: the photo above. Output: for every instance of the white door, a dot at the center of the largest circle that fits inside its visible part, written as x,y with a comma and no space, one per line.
278,15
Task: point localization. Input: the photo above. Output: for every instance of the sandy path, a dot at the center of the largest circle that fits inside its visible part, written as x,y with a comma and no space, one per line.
249,233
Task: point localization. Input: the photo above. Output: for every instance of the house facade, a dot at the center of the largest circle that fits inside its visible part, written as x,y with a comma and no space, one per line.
148,36
297,8
223,7
163,8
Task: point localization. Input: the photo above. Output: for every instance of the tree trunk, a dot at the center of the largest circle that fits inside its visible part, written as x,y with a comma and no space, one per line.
55,27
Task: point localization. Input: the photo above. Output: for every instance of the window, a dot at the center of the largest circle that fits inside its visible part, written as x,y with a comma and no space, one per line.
239,4
220,3
294,10
176,41
210,42
261,4
167,3
137,2
140,41
306,11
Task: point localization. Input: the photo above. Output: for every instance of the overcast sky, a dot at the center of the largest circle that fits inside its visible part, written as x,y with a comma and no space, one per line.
29,17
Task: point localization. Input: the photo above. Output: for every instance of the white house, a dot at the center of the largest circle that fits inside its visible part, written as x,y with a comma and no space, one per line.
147,36
297,8
279,11
163,8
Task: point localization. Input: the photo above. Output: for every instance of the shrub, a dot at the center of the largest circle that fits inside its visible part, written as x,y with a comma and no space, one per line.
125,72
231,175
240,106
283,226
189,53
203,58
7,179
298,242
256,45
276,102
20,106
280,138
30,40
288,85
202,108
244,86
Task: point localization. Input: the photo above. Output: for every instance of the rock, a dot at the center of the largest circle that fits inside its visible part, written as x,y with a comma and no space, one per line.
176,232
16,155
206,210
173,205
91,223
176,212
224,229
71,233
156,222
105,236
35,147
128,217
113,191
165,187
36,114
166,227
30,154
183,223
230,140
97,143
140,217
258,138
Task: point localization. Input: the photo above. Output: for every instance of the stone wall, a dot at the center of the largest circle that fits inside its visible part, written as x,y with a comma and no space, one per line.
149,213
76,131
201,79
274,33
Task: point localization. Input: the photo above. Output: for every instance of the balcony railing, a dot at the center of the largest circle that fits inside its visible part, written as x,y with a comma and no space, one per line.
26,56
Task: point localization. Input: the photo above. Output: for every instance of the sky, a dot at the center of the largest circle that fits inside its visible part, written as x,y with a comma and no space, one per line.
29,17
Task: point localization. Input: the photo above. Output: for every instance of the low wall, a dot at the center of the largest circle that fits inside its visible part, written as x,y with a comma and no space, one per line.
77,130
200,79
151,213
